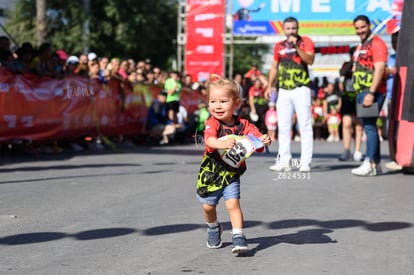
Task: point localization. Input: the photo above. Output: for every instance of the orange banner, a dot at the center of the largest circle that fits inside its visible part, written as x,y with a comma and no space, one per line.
32,108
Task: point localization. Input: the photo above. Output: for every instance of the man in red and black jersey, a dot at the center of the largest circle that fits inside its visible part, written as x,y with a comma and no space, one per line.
370,59
290,68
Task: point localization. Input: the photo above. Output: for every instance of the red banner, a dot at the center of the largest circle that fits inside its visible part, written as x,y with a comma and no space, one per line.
39,109
204,54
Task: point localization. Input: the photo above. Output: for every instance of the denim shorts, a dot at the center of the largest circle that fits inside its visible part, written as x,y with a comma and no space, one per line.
231,191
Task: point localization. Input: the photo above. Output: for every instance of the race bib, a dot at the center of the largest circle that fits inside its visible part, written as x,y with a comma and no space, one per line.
244,147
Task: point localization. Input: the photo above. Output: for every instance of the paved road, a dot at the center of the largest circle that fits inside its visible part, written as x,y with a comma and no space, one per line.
136,213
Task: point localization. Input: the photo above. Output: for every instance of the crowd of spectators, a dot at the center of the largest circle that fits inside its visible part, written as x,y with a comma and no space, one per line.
49,63
45,61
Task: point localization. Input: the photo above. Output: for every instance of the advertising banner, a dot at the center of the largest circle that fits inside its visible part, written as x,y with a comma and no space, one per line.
316,17
204,52
33,108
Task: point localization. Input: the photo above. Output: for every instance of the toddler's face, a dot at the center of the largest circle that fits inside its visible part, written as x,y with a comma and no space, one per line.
222,105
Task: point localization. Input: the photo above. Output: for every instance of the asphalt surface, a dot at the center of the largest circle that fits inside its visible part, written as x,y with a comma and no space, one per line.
135,212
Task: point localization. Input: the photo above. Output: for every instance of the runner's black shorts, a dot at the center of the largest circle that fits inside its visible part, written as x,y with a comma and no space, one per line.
174,105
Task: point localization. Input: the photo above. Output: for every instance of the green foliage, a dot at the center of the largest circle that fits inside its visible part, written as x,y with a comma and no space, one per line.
118,28
22,23
247,54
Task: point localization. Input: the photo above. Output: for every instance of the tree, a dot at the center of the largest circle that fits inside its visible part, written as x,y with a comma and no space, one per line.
118,28
41,21
247,54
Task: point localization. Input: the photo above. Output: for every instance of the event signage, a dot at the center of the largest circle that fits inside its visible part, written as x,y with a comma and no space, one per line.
204,51
316,17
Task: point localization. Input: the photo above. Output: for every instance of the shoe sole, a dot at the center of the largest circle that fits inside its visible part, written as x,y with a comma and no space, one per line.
240,249
370,174
214,246
281,170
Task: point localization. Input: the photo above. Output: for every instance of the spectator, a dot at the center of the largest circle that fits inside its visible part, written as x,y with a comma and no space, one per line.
123,69
158,126
82,68
370,85
25,55
318,118
147,65
271,120
150,78
258,104
350,123
114,68
132,78
290,68
94,70
92,57
252,73
331,101
157,73
140,65
62,58
71,65
187,83
201,115
104,73
131,65
173,88
4,43
332,121
140,77
8,61
182,125
40,62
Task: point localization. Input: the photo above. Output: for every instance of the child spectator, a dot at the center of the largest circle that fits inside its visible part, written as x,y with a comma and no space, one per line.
318,117
333,120
200,117
217,179
271,120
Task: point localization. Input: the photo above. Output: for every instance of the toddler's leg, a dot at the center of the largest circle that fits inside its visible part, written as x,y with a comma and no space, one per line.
214,228
236,218
210,213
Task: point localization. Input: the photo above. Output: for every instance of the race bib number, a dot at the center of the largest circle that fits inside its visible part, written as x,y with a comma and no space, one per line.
244,147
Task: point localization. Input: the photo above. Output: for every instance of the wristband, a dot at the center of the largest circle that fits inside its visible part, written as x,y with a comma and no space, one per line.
371,93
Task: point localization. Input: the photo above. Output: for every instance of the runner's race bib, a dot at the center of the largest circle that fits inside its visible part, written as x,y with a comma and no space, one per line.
244,147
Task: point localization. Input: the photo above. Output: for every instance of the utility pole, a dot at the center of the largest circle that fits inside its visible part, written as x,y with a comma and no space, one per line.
41,24
85,27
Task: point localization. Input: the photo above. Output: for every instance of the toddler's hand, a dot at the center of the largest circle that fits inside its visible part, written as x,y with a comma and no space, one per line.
266,140
229,143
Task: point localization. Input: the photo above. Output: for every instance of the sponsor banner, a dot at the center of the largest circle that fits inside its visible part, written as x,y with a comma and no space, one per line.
32,108
316,17
204,52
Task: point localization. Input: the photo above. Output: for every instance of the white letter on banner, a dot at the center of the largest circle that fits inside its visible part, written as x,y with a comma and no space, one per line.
350,6
320,6
378,4
285,5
